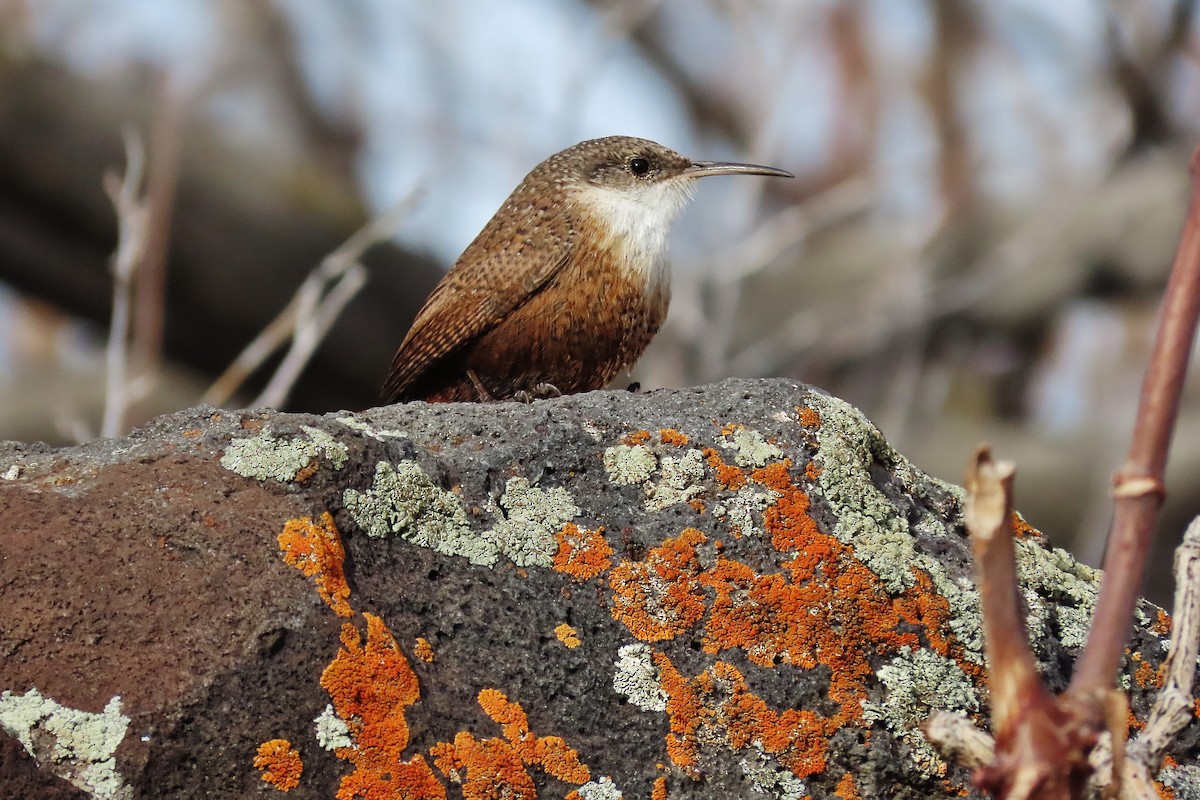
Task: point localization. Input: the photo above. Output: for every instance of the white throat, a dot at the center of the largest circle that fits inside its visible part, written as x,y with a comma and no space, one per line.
638,220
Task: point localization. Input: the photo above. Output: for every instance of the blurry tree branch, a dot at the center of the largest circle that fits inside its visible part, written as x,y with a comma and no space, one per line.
132,214
312,310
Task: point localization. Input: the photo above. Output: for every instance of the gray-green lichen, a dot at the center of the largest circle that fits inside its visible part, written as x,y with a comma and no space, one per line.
749,448
679,477
402,499
848,446
745,507
12,473
267,456
379,434
1052,575
679,480
602,789
628,464
637,678
77,745
1183,780
533,517
917,682
767,776
332,731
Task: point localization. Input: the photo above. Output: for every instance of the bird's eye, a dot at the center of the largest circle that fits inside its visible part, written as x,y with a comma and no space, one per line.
639,166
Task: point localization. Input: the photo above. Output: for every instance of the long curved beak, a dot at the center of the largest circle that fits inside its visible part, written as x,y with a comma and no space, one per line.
700,169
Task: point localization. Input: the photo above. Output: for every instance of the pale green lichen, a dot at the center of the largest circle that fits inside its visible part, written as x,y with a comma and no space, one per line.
750,448
380,434
12,473
679,480
848,446
77,745
637,678
628,464
1055,577
402,499
602,789
332,731
1183,780
533,517
917,682
744,509
767,776
266,456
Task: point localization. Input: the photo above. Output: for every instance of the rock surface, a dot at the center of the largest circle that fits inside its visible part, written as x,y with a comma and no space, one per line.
731,591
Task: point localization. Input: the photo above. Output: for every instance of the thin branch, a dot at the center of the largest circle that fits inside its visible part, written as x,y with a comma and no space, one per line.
1174,706
166,140
1040,747
310,313
957,739
310,329
1138,486
131,248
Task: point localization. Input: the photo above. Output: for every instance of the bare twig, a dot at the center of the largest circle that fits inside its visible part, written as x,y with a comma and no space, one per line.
1174,707
124,192
166,138
310,313
1037,749
957,739
1138,486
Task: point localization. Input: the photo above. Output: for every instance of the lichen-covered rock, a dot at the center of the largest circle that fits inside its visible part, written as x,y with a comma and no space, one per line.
731,591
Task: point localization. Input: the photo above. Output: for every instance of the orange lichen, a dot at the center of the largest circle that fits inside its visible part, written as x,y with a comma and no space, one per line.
660,597
822,608
697,505
280,763
550,753
370,686
1147,676
582,554
729,428
727,475
567,635
315,548
659,792
307,471
423,650
673,437
847,789
809,417
637,437
717,705
488,770
1162,624
1022,529
812,471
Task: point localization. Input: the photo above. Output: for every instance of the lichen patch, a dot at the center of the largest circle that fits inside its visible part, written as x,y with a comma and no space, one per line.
78,746
266,455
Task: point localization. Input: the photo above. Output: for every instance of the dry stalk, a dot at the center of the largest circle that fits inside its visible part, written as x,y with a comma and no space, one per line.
310,313
1138,485
124,192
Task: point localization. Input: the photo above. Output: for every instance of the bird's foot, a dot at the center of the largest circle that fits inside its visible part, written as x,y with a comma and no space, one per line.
541,391
484,395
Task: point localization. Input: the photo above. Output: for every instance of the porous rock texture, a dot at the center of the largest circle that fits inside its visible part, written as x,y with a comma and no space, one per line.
738,590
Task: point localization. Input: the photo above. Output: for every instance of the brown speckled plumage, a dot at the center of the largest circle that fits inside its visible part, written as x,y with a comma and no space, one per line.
564,286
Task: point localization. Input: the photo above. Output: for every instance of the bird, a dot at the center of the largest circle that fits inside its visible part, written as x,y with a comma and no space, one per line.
564,287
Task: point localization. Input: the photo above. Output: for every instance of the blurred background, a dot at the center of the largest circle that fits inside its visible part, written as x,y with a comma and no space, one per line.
989,194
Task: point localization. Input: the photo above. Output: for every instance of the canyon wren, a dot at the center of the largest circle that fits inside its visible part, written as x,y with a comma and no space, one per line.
564,287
